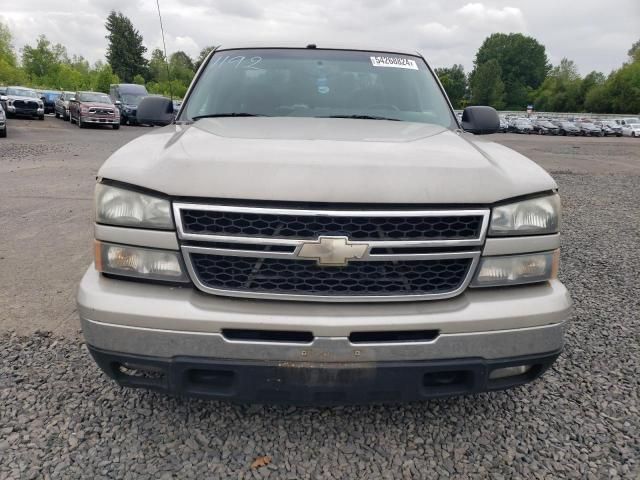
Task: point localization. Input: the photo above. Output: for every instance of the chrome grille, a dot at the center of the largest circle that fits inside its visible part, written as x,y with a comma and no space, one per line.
256,252
100,111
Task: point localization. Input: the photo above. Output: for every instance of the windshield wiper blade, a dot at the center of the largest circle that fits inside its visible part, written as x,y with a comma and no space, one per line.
229,114
363,117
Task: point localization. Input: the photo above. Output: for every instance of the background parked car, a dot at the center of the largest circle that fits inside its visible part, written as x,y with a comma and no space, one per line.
588,129
61,107
631,130
567,128
504,125
3,123
609,128
22,101
49,99
127,97
545,127
93,108
628,120
521,126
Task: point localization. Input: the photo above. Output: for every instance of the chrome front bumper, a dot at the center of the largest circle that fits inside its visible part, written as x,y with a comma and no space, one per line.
165,322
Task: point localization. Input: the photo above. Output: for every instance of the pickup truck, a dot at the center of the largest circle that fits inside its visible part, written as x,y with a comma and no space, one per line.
93,108
315,226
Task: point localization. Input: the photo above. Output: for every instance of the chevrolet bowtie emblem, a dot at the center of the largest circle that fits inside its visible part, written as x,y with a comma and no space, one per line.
332,251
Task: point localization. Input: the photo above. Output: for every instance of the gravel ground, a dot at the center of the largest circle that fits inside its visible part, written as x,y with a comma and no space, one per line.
61,418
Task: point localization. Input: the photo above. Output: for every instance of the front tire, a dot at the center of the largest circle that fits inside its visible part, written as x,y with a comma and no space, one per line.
57,114
3,133
116,126
41,117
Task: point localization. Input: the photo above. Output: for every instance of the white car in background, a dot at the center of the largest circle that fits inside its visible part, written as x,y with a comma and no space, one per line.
631,130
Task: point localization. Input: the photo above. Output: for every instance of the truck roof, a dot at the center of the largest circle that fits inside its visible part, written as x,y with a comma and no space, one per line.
322,46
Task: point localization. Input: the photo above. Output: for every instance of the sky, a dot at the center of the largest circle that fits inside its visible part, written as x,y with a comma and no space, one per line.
594,33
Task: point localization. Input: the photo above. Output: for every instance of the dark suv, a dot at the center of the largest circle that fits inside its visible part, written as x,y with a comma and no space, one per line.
49,99
127,96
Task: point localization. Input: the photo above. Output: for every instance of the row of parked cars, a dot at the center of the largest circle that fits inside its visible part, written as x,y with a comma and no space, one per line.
81,108
585,127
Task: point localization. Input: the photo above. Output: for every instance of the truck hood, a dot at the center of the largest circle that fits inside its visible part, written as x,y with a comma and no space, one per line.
27,99
324,160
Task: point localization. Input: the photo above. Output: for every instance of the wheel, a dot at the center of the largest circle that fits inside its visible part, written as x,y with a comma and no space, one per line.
57,114
80,122
540,132
71,120
116,127
41,117
633,134
3,133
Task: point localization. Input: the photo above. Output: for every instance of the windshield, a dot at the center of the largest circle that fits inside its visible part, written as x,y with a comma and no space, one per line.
94,97
132,99
22,92
318,83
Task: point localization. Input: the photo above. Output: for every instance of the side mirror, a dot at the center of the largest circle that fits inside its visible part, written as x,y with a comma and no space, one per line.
155,111
3,98
72,99
117,103
480,120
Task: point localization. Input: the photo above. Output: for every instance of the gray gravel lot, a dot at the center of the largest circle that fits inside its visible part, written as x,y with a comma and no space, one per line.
61,418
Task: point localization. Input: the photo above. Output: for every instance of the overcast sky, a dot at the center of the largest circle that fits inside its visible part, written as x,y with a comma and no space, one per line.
596,34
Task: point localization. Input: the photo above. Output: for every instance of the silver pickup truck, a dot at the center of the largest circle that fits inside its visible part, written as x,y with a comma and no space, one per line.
314,226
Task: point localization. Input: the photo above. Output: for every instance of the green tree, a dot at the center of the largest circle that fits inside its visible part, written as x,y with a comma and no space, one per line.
125,52
181,67
104,78
487,87
561,90
139,79
6,48
523,64
634,52
44,59
624,88
10,73
202,56
157,66
454,82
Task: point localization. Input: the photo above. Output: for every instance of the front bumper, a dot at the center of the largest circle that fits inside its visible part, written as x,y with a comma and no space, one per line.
306,383
101,120
177,331
29,112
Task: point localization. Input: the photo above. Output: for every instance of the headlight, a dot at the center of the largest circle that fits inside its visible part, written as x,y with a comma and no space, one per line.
117,206
517,269
139,262
528,217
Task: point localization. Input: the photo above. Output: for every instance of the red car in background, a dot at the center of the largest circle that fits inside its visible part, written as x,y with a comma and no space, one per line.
93,108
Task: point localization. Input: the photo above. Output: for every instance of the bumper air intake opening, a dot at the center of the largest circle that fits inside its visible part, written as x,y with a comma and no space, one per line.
394,336
134,375
282,336
448,381
218,382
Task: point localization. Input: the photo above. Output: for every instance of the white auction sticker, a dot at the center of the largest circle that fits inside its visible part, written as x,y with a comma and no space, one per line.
394,62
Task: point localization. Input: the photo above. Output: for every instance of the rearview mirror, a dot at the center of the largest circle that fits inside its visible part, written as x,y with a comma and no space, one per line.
72,99
155,111
480,120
